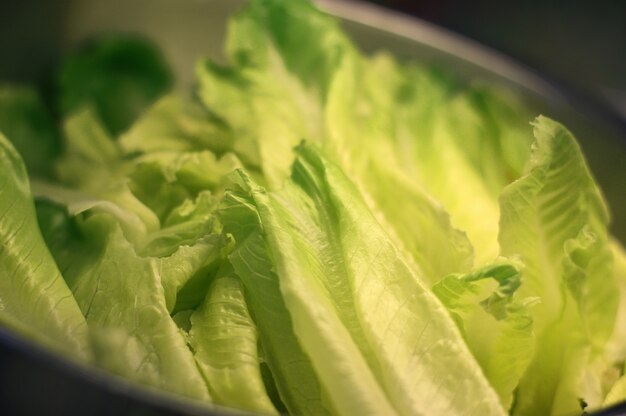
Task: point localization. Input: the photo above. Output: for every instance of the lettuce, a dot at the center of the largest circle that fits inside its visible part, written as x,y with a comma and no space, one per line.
26,121
555,218
357,307
224,338
118,76
311,231
34,298
121,296
497,327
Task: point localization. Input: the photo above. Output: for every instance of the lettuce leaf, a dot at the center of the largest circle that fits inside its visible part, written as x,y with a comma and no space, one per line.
28,124
332,260
345,104
554,217
93,165
121,296
119,76
175,123
497,327
296,381
361,122
34,298
617,343
224,339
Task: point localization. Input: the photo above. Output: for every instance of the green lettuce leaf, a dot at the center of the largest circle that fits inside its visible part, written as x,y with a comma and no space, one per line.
296,381
497,327
269,118
362,124
270,34
554,217
265,116
121,296
355,105
357,118
471,206
165,180
418,222
617,342
187,251
491,129
77,202
186,223
616,348
93,164
34,298
119,76
175,123
187,273
27,123
334,264
224,339
416,123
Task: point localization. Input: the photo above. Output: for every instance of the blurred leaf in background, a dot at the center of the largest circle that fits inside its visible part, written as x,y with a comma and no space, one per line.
119,75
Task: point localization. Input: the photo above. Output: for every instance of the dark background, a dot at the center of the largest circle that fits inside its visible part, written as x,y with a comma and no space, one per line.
580,44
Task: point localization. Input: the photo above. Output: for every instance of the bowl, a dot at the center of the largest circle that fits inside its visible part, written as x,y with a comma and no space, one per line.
35,381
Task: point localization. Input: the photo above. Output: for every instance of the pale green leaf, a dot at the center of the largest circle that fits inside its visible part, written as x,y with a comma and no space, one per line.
224,340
